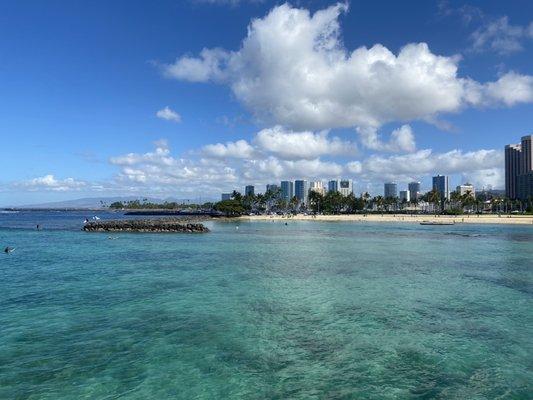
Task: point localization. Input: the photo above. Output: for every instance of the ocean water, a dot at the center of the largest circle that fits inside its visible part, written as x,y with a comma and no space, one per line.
307,310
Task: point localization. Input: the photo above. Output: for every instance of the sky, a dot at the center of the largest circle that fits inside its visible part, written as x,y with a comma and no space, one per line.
191,98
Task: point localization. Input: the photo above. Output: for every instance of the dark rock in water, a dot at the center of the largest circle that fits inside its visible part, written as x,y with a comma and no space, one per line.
144,225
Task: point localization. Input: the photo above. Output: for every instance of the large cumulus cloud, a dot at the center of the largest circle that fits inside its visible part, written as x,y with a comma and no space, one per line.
293,69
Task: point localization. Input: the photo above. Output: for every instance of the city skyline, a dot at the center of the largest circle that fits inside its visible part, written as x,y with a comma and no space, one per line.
156,100
301,188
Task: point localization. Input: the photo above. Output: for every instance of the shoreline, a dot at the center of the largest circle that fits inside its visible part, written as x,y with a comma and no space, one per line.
407,218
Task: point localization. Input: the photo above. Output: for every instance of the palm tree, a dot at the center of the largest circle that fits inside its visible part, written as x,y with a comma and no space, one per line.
366,198
293,203
434,198
379,202
315,199
235,195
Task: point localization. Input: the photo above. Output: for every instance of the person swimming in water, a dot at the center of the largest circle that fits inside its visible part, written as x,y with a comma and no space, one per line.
8,250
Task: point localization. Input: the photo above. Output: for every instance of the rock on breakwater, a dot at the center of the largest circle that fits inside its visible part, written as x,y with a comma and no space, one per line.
143,225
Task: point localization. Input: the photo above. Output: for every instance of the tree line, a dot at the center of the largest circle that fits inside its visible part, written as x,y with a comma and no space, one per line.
336,203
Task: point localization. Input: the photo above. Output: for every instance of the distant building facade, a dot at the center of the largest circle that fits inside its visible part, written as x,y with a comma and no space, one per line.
249,190
466,188
390,189
287,190
318,187
226,196
345,187
512,169
526,155
342,186
525,186
441,184
333,186
272,188
405,196
301,190
414,190
519,169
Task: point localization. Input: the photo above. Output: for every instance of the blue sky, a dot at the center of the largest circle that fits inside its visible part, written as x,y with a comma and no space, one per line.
280,91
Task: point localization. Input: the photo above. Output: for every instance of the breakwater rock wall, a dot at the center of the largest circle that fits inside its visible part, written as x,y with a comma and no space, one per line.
155,226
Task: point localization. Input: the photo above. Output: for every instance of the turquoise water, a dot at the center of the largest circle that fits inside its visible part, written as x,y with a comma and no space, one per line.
267,311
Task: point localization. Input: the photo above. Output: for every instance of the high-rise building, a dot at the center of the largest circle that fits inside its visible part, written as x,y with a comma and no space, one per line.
333,185
512,169
414,190
272,188
345,187
390,190
287,190
442,185
526,155
318,187
301,190
524,187
342,186
226,196
466,188
249,190
405,196
519,169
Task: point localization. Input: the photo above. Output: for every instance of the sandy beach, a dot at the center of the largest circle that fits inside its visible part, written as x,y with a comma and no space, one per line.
467,219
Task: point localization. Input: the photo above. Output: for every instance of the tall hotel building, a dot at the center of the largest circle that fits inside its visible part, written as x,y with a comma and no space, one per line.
390,190
343,186
512,169
287,190
442,185
249,190
301,190
333,186
272,188
346,187
414,190
318,187
519,169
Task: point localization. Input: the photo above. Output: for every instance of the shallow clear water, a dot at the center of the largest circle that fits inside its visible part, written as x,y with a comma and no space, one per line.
305,311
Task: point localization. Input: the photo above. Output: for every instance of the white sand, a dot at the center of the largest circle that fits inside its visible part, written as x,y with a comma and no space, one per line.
467,219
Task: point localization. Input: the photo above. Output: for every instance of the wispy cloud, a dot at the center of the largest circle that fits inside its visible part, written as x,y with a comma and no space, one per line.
501,36
168,114
49,182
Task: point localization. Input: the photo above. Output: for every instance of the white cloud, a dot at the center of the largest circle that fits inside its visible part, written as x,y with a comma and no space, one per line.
292,69
169,115
511,89
159,171
489,178
207,67
161,156
274,168
49,182
287,144
402,139
482,167
500,36
238,149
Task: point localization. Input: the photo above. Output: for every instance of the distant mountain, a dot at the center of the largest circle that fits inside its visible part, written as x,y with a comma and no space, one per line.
99,202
